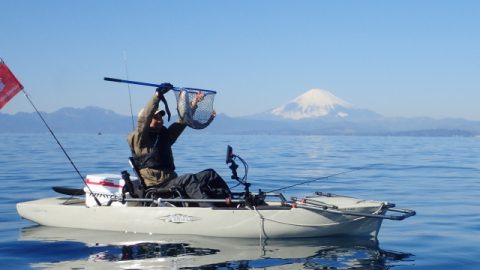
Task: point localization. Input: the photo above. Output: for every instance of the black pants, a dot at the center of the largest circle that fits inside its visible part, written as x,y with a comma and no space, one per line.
206,184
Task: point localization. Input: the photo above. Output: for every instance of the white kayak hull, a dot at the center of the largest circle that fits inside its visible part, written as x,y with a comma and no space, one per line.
270,221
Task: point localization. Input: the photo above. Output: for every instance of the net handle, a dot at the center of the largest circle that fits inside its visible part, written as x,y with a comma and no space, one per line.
157,85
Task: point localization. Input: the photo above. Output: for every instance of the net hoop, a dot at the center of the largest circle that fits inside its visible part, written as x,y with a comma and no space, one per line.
195,115
195,90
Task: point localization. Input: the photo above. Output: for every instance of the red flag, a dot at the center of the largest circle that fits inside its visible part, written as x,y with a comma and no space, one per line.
9,85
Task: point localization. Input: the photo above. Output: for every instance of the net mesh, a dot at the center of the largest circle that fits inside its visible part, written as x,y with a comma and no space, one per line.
199,116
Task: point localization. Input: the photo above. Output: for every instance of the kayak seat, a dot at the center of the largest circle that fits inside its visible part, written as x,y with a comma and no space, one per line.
155,193
135,168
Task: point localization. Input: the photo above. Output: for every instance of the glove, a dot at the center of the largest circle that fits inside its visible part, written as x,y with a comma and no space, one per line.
164,88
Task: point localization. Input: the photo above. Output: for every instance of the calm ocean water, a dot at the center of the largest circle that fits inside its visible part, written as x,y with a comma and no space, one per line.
437,177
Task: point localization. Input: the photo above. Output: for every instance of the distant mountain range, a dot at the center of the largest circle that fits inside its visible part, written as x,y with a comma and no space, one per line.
68,120
316,112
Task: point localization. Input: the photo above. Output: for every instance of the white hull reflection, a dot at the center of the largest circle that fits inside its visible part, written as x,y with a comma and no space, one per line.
116,250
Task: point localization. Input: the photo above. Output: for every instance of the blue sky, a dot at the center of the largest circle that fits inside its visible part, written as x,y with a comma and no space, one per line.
398,58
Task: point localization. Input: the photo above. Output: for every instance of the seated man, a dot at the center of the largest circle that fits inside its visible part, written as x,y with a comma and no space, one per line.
151,144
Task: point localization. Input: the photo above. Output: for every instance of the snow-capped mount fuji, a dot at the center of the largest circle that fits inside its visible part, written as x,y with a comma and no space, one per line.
317,104
313,104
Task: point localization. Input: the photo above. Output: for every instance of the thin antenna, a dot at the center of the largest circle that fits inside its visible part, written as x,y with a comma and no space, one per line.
128,86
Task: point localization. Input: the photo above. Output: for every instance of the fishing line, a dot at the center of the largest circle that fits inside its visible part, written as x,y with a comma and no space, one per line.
322,178
128,86
61,146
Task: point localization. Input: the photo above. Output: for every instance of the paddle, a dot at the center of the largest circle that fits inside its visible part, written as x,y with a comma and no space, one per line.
69,191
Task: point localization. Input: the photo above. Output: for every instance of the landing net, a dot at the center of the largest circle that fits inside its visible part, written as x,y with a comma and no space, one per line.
197,116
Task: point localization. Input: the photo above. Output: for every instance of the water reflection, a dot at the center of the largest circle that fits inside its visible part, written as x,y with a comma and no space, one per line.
141,251
148,250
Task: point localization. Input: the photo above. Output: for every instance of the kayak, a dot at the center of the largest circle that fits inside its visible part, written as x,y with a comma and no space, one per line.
108,205
313,216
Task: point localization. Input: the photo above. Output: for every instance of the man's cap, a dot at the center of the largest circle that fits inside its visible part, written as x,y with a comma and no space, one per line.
160,112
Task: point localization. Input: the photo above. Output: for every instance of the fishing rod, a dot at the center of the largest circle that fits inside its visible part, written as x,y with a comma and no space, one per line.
61,146
322,178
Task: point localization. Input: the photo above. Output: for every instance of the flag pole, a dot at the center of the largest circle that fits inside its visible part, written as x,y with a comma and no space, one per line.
9,88
61,147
